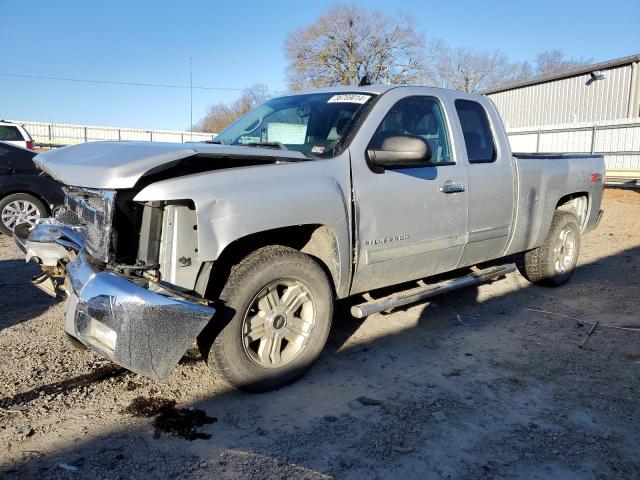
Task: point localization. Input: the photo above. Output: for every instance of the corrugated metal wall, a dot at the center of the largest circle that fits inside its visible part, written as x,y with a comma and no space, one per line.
577,114
617,140
567,100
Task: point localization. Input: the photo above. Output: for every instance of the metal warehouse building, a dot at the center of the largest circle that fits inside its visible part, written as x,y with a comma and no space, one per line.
595,108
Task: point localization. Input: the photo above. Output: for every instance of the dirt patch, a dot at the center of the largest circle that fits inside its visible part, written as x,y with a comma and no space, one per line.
101,374
626,195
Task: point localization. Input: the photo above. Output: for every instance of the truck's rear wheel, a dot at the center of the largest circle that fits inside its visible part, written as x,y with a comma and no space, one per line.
275,320
553,263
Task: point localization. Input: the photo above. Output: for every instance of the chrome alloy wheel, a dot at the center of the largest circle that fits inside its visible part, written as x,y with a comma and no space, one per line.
278,323
19,211
564,250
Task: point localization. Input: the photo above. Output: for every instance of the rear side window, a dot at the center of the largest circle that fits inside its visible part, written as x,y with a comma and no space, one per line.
9,133
477,132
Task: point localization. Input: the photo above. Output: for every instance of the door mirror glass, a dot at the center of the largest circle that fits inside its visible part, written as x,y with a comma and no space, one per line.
400,151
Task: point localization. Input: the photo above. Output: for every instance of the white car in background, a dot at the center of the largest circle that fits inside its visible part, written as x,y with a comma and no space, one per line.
15,134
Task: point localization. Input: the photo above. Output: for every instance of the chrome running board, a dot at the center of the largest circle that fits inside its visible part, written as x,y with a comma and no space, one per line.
424,292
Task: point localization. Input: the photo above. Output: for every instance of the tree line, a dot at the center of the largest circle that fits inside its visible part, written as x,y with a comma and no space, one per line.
348,42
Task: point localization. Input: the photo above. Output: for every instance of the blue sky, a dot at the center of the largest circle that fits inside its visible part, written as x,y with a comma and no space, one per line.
236,44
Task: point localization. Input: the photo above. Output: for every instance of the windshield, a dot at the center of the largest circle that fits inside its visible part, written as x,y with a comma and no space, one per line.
312,123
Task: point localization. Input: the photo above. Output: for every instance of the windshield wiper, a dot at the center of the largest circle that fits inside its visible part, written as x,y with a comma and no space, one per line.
273,145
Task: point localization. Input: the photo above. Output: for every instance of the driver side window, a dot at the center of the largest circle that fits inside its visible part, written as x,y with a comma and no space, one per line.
417,116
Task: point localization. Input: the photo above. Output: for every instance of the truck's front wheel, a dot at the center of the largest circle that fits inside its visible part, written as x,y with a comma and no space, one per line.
553,263
275,318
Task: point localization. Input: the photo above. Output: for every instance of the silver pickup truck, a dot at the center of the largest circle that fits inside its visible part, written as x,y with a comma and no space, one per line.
244,243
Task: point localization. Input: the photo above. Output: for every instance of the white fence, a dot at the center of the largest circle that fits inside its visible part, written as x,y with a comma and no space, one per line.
617,140
59,134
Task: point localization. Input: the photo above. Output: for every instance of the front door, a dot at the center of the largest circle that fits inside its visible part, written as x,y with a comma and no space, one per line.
410,222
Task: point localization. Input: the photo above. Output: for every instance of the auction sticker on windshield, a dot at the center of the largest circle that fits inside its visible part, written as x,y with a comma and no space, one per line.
349,98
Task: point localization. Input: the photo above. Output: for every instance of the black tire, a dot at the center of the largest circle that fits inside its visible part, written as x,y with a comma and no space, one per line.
17,197
224,344
539,265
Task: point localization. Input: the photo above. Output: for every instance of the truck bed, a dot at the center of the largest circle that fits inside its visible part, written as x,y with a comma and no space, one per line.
543,181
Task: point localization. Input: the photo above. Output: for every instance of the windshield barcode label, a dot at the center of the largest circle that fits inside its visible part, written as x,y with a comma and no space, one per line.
349,98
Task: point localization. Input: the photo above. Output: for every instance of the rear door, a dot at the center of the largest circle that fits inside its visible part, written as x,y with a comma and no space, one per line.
490,180
408,224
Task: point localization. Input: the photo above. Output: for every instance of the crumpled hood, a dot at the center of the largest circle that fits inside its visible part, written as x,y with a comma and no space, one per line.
114,165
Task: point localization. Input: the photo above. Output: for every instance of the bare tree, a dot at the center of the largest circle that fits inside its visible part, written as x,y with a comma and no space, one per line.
522,71
251,97
470,70
474,71
555,61
347,43
221,115
548,62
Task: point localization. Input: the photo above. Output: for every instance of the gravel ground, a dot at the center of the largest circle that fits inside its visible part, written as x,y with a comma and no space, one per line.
474,385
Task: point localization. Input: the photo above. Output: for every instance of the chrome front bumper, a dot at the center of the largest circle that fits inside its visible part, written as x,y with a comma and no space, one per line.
48,242
137,324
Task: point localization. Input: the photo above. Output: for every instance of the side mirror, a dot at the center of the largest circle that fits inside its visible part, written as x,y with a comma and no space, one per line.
400,151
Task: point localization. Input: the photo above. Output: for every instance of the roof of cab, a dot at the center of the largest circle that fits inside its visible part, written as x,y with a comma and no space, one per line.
374,89
379,89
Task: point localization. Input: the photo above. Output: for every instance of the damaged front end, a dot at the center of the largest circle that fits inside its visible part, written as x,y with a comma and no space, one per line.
125,313
52,244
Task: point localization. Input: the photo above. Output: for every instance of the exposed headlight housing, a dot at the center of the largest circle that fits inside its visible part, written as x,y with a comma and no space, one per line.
103,335
92,211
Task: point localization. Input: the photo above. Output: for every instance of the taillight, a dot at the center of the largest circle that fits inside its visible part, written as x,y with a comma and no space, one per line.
30,144
597,178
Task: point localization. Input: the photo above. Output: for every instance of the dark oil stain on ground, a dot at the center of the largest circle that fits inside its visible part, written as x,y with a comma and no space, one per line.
181,422
149,407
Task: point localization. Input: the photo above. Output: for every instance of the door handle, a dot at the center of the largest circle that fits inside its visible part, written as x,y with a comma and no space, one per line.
450,187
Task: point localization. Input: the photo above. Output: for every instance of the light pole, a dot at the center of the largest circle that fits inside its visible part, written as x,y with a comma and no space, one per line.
191,97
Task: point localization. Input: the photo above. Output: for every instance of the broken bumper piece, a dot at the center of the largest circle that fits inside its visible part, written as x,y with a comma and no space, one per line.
51,244
142,330
137,324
